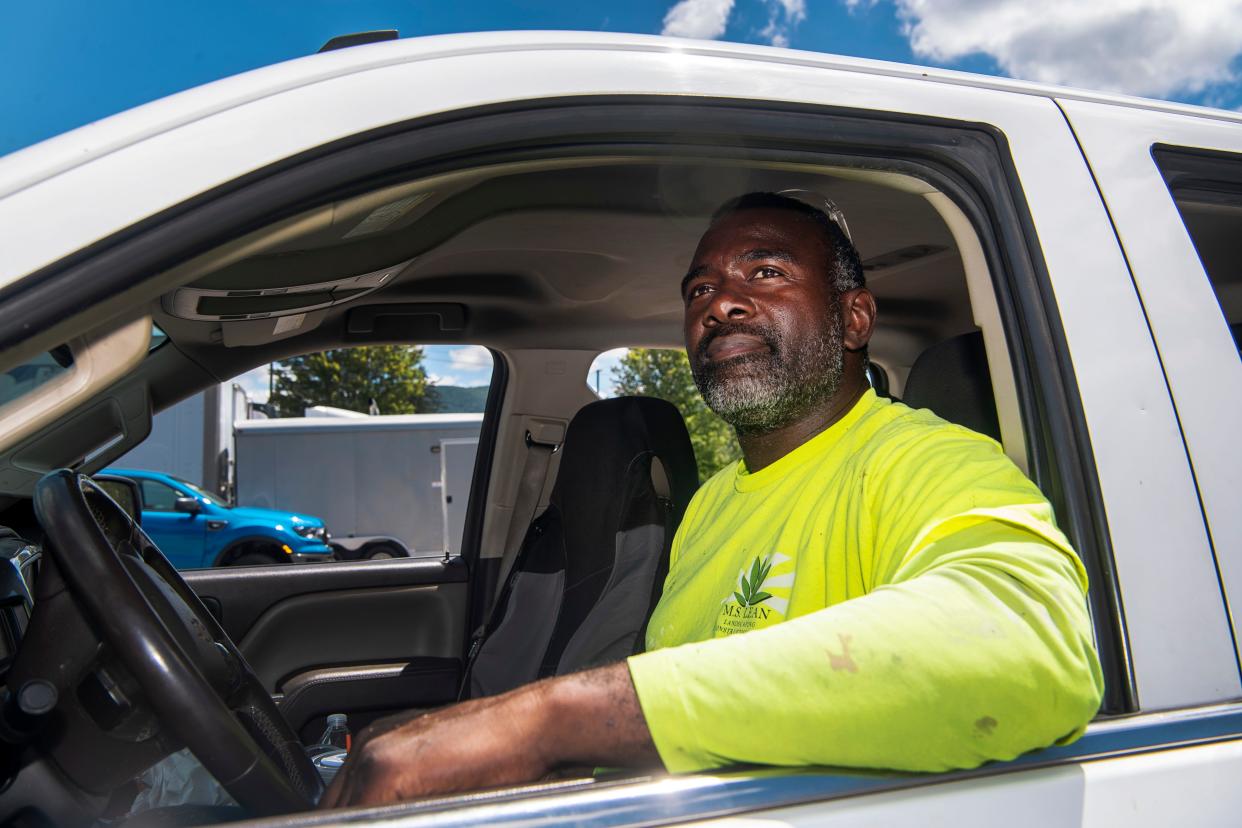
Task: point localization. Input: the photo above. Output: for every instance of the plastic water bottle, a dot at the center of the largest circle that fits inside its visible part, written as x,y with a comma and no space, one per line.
337,732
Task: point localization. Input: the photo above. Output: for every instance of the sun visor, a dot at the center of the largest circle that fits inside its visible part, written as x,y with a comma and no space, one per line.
214,305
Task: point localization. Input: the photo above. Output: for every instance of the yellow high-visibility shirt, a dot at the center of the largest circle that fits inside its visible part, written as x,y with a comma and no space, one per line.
906,599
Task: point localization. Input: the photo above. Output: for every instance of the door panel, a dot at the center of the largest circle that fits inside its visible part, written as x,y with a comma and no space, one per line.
179,535
245,593
369,691
354,626
1201,368
365,638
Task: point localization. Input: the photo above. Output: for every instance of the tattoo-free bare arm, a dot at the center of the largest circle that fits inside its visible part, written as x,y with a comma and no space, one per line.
589,718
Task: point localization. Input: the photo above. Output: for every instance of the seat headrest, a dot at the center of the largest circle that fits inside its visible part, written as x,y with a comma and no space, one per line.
951,378
610,432
601,442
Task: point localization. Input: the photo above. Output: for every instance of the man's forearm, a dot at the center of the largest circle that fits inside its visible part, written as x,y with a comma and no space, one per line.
594,718
590,718
981,658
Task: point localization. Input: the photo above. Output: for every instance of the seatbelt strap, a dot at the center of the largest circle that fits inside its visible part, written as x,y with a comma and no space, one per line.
530,487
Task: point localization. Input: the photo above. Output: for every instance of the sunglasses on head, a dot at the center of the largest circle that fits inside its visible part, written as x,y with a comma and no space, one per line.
823,204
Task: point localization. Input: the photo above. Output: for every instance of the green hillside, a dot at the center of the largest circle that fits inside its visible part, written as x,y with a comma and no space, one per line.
453,399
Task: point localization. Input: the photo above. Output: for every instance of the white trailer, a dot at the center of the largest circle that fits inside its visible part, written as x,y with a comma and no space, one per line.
405,476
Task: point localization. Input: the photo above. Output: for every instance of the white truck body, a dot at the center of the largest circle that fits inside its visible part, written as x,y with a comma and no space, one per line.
1150,357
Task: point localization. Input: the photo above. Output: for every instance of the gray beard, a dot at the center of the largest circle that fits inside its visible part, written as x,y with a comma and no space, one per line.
758,393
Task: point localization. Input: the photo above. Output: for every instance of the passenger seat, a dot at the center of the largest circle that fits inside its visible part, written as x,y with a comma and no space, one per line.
951,378
592,566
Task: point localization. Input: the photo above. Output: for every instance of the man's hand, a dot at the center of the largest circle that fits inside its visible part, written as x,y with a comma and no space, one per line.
591,718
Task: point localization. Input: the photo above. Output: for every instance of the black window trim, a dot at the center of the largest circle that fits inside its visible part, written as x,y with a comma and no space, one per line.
483,572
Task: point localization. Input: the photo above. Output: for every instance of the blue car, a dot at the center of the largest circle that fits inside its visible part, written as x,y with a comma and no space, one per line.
195,528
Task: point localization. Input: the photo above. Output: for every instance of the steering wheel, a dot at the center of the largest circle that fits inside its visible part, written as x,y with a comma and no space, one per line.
192,676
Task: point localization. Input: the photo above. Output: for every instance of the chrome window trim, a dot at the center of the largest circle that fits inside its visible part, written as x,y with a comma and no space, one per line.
656,800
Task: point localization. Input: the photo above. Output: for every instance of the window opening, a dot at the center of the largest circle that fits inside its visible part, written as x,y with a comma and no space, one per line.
158,338
665,373
349,454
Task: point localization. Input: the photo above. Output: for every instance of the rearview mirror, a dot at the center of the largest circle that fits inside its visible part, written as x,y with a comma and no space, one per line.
190,505
124,491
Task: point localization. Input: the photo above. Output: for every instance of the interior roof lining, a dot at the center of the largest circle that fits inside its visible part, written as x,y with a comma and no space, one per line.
283,235
202,345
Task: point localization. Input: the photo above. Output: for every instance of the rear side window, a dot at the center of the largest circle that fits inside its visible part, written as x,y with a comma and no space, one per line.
665,373
1207,189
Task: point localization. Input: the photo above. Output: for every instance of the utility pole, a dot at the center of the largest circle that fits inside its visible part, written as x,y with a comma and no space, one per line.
597,373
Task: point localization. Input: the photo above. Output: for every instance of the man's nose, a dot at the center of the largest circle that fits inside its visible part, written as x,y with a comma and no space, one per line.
727,305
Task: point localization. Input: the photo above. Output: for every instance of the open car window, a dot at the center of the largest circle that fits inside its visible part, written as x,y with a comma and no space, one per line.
350,454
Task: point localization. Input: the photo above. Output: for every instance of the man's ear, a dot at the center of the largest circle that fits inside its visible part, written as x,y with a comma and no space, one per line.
858,311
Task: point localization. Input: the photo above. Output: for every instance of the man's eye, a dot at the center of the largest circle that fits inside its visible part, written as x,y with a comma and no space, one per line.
698,290
767,273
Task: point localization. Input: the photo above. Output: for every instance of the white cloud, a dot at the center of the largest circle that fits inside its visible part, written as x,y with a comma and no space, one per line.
1142,47
775,35
601,371
442,379
470,358
465,366
255,383
783,16
703,19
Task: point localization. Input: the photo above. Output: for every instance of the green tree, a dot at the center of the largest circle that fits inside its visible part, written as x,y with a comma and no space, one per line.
350,378
665,373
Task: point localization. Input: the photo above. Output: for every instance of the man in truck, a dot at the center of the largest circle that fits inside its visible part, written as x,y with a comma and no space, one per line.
870,586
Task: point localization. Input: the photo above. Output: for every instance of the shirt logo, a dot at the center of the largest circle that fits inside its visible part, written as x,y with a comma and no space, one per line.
760,597
752,594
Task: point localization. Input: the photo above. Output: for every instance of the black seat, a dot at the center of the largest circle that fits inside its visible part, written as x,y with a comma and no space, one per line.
951,378
592,566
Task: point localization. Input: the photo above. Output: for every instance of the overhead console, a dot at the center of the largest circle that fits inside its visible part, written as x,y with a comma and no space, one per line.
224,305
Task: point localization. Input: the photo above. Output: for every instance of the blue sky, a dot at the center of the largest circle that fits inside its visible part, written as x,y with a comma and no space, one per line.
68,62
65,63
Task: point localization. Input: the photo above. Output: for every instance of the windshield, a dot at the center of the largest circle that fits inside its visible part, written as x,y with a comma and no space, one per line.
199,490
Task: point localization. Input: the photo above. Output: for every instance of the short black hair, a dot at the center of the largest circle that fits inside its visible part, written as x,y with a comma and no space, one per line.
844,264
